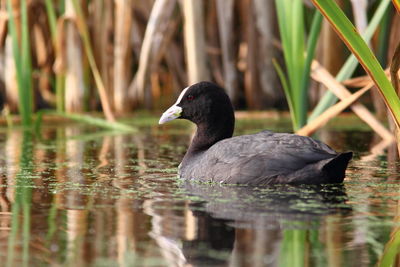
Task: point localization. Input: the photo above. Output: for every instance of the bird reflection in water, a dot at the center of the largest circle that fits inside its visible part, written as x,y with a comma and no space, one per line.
239,225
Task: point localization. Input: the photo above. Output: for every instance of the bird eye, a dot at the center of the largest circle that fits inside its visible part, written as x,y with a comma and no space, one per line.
190,97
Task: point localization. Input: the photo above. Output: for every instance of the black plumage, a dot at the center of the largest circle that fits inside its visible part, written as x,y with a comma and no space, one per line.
257,159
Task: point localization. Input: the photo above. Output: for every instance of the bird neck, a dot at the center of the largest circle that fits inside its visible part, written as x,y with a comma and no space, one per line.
210,132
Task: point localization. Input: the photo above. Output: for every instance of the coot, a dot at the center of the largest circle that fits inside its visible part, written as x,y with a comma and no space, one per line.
256,159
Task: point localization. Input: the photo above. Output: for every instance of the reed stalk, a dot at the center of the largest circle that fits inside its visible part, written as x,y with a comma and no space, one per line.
195,48
59,74
152,42
225,10
265,17
122,54
82,27
74,71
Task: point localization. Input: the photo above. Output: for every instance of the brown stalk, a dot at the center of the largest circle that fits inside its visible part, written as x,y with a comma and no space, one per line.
176,64
212,46
74,85
251,82
42,48
225,10
394,69
396,3
84,33
321,75
11,86
266,25
3,27
102,27
59,65
10,76
195,44
360,14
357,82
122,53
157,25
328,51
332,112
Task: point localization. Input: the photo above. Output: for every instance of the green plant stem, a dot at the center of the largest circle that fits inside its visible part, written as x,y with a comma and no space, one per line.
311,46
60,92
360,49
21,52
351,63
51,14
116,126
291,28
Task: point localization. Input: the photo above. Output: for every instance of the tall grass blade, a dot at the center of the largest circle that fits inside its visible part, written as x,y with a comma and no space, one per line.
52,17
311,46
391,252
396,3
287,92
21,50
291,28
116,126
22,203
351,63
60,77
360,49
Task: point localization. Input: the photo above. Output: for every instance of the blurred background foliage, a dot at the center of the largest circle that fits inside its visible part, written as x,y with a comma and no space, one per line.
78,56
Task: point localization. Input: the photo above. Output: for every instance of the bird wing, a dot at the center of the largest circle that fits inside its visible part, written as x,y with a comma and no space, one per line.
266,154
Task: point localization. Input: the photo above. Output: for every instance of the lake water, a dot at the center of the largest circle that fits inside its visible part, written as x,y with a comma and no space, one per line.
79,196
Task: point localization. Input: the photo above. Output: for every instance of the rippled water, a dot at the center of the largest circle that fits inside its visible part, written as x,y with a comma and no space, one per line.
77,196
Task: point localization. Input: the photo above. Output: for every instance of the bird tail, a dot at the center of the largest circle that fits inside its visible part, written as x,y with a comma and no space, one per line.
336,167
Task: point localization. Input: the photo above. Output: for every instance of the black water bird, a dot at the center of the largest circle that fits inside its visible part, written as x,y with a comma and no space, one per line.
256,159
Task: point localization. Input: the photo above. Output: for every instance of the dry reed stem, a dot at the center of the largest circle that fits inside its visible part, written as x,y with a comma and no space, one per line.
251,83
320,74
11,85
360,9
328,55
225,10
397,6
102,28
59,65
82,28
122,53
3,27
195,45
74,86
360,14
265,17
10,76
394,69
357,82
175,63
158,23
332,112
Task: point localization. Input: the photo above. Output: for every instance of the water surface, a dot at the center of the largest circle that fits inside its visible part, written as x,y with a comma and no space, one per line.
79,196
